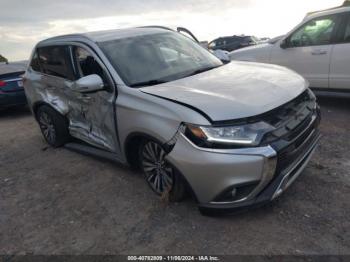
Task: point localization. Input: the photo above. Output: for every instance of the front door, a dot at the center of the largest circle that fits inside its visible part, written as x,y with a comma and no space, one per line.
308,50
92,116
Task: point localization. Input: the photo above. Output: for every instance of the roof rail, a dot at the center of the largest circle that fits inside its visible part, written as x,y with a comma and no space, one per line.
156,26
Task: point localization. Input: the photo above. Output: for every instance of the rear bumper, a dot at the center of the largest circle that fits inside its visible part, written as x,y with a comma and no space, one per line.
12,98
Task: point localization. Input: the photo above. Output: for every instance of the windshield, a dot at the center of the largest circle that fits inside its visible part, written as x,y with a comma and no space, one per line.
157,58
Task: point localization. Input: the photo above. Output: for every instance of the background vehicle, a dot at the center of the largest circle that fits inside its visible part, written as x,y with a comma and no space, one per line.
155,99
318,49
231,43
11,85
223,55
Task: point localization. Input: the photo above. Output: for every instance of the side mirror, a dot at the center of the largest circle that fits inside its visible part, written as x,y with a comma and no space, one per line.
284,44
222,55
90,83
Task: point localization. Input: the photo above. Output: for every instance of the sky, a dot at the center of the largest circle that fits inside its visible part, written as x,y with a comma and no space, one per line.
25,22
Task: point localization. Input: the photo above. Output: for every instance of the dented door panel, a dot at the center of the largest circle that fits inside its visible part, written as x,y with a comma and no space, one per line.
92,119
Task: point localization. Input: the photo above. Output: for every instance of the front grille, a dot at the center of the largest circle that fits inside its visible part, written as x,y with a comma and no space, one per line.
295,130
291,119
277,116
289,155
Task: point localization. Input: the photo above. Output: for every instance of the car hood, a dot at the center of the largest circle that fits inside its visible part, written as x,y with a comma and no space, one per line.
233,91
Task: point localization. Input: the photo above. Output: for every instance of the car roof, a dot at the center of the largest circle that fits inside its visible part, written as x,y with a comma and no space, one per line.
331,11
107,35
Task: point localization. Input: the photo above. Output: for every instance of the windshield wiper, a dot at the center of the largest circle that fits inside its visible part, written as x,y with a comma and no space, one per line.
201,70
149,83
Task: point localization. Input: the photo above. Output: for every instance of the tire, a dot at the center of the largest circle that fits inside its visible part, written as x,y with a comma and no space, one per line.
161,176
53,126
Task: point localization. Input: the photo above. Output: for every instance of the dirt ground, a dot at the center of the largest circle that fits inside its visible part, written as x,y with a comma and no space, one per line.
55,201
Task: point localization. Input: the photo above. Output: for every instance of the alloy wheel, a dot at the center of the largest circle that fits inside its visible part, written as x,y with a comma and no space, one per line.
159,173
47,127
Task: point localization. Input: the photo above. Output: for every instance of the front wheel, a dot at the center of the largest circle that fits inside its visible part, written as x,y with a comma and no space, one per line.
160,175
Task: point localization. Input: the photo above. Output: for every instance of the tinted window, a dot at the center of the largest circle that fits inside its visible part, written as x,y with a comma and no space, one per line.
86,64
316,32
35,62
55,61
234,40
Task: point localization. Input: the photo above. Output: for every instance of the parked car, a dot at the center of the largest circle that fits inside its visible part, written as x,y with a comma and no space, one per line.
219,53
318,49
235,134
231,43
11,85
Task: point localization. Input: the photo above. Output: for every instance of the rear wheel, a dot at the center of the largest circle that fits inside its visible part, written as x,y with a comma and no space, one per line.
53,126
160,175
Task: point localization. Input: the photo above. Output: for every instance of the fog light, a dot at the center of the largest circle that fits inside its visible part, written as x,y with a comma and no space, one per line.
235,193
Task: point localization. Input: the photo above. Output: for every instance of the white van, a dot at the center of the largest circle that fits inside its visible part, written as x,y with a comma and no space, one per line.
318,49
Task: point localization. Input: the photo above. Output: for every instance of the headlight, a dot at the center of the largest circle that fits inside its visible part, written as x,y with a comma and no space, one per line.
228,136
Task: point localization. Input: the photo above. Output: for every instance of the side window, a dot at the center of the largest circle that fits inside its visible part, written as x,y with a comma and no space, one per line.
34,64
316,32
86,64
232,40
346,37
55,61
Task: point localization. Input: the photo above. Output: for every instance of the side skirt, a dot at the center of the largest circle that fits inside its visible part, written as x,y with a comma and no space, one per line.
93,151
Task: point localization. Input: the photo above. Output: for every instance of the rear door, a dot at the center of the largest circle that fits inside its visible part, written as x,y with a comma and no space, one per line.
55,77
90,116
339,77
308,50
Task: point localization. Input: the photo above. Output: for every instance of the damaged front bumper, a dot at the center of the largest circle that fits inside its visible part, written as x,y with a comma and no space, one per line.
230,179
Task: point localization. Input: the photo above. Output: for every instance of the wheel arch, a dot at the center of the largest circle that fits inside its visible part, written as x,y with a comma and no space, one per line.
131,147
39,104
132,144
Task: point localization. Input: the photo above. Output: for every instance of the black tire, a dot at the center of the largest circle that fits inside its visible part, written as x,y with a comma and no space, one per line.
53,126
161,176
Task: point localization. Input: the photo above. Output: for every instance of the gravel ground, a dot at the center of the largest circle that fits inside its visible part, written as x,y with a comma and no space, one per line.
55,201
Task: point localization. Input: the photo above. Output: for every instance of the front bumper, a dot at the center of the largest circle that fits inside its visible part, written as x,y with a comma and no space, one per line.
275,187
210,172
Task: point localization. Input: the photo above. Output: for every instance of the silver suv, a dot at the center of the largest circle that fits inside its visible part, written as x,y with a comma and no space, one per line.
234,135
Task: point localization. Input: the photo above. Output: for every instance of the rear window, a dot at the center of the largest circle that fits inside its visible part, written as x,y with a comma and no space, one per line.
55,61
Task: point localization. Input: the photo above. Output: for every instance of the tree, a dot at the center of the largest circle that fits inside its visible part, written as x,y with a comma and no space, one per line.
346,3
3,59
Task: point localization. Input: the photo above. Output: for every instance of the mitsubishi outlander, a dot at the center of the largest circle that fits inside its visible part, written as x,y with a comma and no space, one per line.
235,134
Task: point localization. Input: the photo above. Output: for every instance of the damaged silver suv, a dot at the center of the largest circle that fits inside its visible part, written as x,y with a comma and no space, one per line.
234,135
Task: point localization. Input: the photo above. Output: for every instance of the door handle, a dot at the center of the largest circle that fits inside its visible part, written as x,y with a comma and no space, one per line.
319,52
